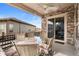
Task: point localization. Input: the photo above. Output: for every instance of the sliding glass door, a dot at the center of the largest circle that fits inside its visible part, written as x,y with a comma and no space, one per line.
56,28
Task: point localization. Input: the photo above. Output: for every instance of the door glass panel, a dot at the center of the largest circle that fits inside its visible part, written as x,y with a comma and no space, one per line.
51,28
56,28
59,28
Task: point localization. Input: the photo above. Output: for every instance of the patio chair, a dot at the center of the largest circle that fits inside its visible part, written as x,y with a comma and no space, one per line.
47,48
51,47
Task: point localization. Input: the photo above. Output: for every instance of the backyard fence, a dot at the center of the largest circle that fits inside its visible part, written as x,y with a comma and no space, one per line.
7,42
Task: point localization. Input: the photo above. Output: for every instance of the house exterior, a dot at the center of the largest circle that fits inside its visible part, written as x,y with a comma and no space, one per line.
16,26
65,14
69,17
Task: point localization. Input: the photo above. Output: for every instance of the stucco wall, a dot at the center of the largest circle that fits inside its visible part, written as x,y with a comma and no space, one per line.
26,28
15,26
19,28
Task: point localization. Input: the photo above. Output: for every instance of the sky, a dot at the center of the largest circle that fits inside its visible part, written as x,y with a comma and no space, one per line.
12,12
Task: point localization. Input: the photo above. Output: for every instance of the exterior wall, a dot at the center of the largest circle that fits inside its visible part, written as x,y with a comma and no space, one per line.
70,26
77,33
18,28
15,26
26,28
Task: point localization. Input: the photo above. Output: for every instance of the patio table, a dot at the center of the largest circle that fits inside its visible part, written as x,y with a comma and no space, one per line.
27,48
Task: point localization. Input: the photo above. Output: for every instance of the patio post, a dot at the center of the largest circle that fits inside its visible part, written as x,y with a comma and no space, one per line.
44,28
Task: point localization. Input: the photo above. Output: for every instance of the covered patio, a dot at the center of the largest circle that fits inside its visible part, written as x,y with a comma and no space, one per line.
59,23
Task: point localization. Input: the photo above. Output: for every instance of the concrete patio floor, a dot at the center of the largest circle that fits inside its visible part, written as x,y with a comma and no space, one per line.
64,50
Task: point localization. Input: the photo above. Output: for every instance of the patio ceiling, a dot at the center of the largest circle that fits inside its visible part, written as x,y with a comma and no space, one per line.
55,7
43,8
30,7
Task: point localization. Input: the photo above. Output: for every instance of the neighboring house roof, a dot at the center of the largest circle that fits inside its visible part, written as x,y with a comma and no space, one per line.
16,20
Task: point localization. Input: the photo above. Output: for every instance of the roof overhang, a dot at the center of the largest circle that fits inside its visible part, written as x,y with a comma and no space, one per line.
39,8
30,7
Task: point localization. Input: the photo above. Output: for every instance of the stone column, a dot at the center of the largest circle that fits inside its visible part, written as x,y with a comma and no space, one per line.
71,20
44,28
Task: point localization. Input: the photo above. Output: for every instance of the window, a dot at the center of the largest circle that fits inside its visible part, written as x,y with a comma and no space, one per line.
2,28
10,26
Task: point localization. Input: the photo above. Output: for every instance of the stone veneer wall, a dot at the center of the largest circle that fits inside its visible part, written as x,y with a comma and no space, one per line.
70,27
77,34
